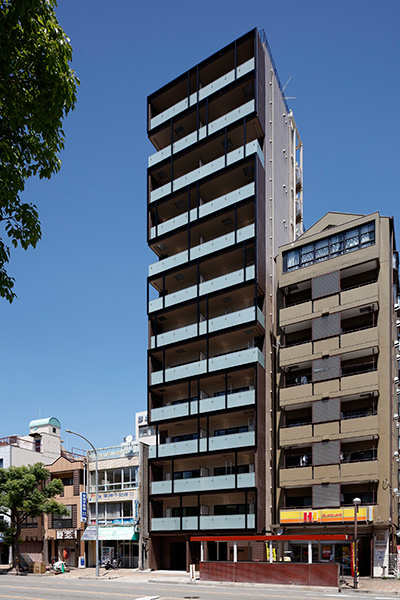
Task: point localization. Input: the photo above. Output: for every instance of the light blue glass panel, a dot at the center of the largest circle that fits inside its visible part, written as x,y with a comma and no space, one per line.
161,487
226,522
235,440
210,404
241,398
165,524
176,448
246,480
170,412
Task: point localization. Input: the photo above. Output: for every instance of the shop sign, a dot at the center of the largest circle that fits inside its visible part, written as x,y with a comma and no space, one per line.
66,534
327,515
83,507
110,496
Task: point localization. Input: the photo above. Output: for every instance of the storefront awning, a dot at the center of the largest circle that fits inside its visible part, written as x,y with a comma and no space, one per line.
111,533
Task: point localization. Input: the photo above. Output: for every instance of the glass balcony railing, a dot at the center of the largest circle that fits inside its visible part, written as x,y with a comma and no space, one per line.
239,317
204,92
199,367
184,409
192,138
208,208
218,442
218,522
206,287
204,484
208,169
215,245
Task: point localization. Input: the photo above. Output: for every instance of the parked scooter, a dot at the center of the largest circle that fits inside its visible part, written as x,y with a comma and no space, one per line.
115,563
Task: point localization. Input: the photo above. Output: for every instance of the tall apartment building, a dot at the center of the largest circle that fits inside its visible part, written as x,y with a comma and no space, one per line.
224,191
337,353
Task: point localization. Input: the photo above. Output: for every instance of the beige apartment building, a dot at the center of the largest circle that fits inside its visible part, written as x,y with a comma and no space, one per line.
337,389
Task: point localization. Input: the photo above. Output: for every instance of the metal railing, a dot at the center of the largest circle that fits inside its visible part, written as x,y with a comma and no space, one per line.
126,449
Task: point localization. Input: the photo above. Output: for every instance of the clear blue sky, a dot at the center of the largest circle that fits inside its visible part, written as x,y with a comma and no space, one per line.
73,345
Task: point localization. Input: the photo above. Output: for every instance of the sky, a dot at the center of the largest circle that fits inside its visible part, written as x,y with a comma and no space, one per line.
73,344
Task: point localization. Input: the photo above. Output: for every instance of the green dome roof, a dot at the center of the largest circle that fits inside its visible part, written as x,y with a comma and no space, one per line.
48,421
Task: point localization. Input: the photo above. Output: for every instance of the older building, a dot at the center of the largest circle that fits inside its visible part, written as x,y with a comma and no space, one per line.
63,533
224,191
42,444
118,498
337,353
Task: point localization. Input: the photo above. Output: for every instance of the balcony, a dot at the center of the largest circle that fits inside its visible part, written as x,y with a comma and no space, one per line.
204,484
187,408
360,471
232,157
223,442
204,210
290,436
192,138
207,522
346,342
240,317
203,93
295,477
361,426
349,298
215,245
225,361
206,287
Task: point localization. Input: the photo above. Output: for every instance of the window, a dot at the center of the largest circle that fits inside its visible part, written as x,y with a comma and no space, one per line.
1,463
231,430
31,522
115,479
146,431
110,513
63,521
330,247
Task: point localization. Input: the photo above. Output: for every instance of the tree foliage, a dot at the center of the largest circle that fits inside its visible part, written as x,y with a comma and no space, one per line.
37,90
26,492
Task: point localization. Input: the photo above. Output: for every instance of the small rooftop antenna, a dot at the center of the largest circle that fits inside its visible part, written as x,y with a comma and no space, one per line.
283,89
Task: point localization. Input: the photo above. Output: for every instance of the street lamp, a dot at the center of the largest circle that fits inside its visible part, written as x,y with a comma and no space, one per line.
97,499
356,502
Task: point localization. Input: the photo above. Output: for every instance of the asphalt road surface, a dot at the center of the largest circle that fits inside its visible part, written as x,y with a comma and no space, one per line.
26,588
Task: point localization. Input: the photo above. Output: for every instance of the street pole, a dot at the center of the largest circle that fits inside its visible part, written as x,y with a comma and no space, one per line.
97,499
356,502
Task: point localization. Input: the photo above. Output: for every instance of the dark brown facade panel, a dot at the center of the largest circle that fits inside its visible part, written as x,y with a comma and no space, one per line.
260,220
74,516
261,450
76,477
260,78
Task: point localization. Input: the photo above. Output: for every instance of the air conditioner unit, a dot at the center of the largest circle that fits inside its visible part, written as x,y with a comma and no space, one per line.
168,440
168,512
396,343
251,468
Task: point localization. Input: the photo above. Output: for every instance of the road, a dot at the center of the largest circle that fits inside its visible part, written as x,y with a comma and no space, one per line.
43,588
